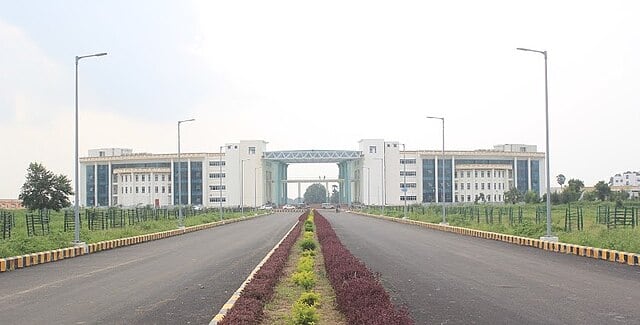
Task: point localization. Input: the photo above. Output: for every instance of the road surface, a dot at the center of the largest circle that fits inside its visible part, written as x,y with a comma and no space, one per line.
178,280
444,278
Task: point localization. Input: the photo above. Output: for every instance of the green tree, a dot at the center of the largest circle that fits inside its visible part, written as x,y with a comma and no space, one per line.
45,190
531,197
572,192
590,196
316,193
335,195
602,190
513,196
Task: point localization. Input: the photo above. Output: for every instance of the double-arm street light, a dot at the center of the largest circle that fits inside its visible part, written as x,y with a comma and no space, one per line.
180,218
548,236
444,218
76,208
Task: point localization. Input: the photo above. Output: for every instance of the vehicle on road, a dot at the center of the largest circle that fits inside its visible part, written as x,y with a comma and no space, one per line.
265,207
288,207
328,206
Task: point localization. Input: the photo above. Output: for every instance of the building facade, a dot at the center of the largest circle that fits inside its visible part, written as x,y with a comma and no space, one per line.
244,173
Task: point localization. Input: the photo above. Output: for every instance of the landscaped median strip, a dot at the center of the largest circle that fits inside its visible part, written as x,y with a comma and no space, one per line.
573,249
359,294
246,305
22,261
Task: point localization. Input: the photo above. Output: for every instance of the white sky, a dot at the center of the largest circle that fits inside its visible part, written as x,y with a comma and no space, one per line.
319,75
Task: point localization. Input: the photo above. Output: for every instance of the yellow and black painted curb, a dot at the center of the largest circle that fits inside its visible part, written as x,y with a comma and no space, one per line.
229,304
573,249
22,261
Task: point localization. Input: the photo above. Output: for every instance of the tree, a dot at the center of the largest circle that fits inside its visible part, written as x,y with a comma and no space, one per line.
560,179
602,190
316,193
513,196
572,192
531,197
45,190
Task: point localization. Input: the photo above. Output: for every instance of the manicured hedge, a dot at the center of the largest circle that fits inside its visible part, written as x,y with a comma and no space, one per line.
248,309
359,294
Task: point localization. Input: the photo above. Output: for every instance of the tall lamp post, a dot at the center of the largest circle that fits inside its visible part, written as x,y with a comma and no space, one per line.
76,207
368,184
444,217
180,216
220,181
548,236
404,181
255,188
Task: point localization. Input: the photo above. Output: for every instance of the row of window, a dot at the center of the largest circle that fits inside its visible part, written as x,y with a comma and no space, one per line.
143,189
407,161
408,185
496,186
408,173
217,199
487,198
482,173
216,163
142,177
217,175
408,198
217,187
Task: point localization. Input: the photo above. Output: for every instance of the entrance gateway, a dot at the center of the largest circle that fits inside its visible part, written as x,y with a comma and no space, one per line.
277,162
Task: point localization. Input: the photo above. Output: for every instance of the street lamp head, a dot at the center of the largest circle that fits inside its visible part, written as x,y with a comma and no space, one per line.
100,54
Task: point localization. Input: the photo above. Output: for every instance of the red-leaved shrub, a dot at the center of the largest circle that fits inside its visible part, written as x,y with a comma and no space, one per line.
359,294
248,309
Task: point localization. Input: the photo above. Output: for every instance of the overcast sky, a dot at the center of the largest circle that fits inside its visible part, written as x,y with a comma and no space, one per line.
319,75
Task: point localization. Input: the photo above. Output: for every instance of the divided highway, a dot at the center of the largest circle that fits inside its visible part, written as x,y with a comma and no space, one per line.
178,280
444,278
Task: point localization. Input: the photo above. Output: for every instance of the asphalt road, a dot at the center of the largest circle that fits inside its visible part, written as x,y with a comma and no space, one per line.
444,278
180,280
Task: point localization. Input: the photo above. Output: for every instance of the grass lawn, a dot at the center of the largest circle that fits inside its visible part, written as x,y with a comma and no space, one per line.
20,243
594,234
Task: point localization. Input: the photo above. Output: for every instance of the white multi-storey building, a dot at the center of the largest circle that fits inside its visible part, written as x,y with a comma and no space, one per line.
244,173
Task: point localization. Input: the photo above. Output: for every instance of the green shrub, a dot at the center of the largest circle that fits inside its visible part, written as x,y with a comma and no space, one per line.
304,279
308,253
308,226
308,235
310,299
308,244
304,314
305,264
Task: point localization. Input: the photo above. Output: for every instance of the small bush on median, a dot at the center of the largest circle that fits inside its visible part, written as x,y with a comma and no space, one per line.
309,253
305,279
308,244
305,264
304,314
310,299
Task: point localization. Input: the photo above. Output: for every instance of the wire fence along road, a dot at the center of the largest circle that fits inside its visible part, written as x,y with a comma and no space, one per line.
175,280
444,278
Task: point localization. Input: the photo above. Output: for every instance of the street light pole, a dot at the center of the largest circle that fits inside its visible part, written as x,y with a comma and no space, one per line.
368,184
180,216
444,217
76,207
404,181
220,181
548,236
255,188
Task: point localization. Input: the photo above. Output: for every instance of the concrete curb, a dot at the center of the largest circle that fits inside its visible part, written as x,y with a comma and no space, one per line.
22,261
572,249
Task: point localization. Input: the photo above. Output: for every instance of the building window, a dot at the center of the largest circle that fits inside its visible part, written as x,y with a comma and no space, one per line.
216,163
216,175
136,189
481,186
468,186
156,189
407,161
408,173
101,154
217,199
455,186
252,150
143,178
482,174
163,189
137,178
468,198
468,174
499,197
155,177
217,187
408,198
372,149
169,189
143,189
488,186
477,186
476,174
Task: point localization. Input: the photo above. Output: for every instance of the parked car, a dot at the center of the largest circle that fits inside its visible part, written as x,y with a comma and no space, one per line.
288,207
266,207
328,206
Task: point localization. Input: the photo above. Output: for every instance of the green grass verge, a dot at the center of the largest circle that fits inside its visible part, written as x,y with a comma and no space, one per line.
593,234
20,243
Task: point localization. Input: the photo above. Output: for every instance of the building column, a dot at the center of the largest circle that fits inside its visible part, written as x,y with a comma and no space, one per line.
529,178
95,184
188,181
110,184
515,172
437,180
